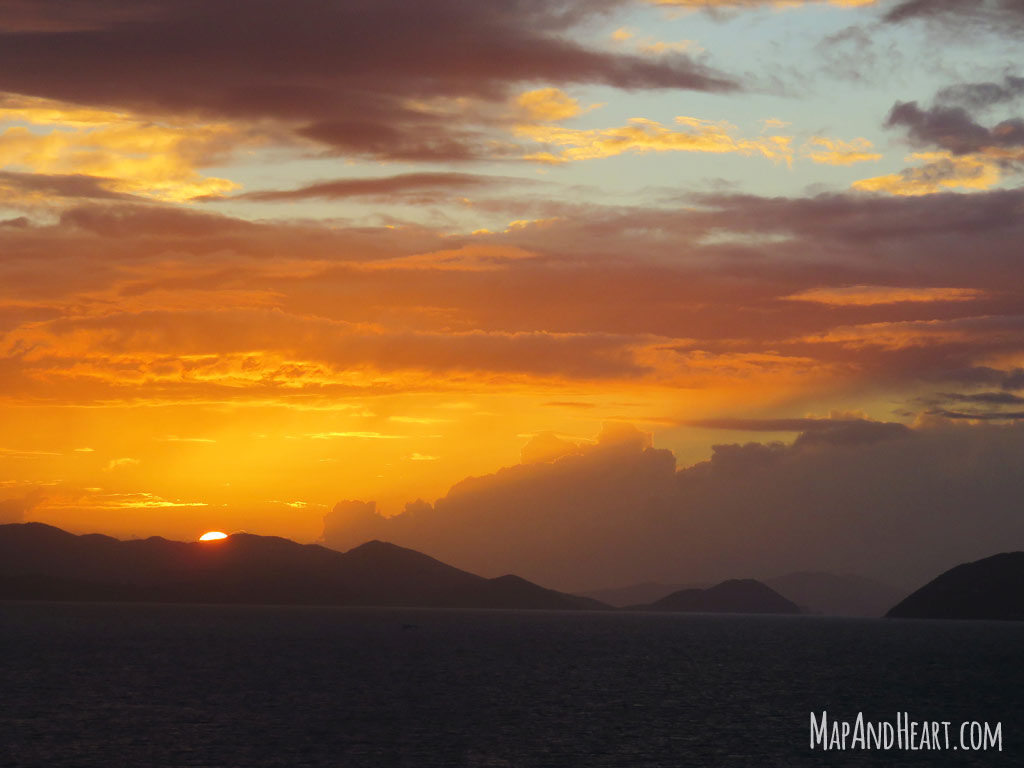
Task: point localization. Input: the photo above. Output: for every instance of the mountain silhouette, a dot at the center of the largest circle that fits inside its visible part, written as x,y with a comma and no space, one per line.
732,596
40,562
813,591
992,588
634,594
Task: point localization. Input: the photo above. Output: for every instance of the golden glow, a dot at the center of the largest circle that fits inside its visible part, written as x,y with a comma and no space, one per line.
643,135
128,154
548,104
835,152
213,536
942,172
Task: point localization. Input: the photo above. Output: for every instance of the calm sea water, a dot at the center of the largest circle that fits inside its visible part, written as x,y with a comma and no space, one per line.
161,685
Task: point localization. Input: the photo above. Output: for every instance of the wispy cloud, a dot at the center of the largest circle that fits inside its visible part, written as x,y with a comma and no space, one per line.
871,295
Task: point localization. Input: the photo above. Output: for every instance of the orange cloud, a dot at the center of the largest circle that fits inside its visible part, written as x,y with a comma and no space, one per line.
871,295
893,336
137,500
836,152
942,171
642,135
470,258
653,47
549,105
127,153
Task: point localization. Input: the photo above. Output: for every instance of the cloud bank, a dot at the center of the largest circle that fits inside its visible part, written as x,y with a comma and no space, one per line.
878,499
380,78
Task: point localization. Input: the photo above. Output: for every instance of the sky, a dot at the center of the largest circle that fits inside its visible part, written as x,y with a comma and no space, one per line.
313,269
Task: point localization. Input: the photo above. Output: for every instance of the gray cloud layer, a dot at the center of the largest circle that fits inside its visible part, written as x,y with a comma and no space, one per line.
346,74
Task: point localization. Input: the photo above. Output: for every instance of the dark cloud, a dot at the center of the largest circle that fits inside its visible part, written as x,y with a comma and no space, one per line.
420,185
73,15
904,506
987,398
1001,15
60,185
953,128
1012,380
117,221
979,415
832,431
778,425
358,76
979,96
405,136
872,221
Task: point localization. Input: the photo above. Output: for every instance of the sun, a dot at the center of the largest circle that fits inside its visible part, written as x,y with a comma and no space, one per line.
212,535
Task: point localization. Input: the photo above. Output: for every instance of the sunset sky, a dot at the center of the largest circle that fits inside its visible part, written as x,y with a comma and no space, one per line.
259,258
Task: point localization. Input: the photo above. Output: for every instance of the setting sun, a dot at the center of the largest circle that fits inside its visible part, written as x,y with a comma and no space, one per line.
213,535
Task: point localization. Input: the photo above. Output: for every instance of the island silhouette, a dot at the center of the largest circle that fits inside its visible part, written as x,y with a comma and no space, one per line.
731,596
819,592
992,588
42,562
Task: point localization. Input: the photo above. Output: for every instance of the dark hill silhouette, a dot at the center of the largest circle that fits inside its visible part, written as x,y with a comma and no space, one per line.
814,591
835,595
732,596
992,588
40,562
633,594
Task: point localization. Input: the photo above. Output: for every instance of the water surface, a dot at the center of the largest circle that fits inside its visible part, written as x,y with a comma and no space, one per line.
171,685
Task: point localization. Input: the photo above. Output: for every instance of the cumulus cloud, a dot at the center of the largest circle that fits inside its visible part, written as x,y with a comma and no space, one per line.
953,129
833,431
957,151
883,500
547,446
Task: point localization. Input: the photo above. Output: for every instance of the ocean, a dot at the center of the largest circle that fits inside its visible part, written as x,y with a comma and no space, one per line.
184,685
